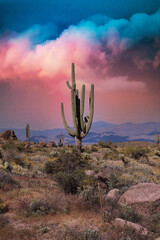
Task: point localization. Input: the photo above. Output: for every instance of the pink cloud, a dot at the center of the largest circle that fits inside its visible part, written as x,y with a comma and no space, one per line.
37,74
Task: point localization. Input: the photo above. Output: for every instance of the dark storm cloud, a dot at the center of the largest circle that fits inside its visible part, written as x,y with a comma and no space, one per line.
19,15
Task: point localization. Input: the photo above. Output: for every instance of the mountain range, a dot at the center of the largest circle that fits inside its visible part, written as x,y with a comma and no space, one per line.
99,131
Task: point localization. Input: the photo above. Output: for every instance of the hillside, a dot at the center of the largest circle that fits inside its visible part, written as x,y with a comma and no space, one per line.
99,131
57,193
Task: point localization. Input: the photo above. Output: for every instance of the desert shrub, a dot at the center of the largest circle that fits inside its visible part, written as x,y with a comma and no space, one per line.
3,206
90,196
115,180
50,204
113,155
85,156
67,170
6,180
49,167
105,144
12,156
70,181
94,148
127,213
82,234
8,232
10,144
65,162
136,152
21,146
127,233
41,206
102,144
3,221
154,224
35,206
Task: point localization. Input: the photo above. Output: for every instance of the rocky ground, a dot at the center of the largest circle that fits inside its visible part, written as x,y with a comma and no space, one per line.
109,191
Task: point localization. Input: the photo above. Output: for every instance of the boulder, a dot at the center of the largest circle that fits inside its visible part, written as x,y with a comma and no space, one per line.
144,198
113,194
138,228
8,134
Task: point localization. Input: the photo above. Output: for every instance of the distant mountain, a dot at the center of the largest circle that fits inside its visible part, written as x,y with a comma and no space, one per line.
99,131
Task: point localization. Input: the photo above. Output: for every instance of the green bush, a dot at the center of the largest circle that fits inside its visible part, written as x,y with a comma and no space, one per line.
70,181
65,162
90,196
127,213
94,148
136,152
105,144
67,170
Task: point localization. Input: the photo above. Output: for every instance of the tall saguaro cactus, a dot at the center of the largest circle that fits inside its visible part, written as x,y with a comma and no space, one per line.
81,124
27,134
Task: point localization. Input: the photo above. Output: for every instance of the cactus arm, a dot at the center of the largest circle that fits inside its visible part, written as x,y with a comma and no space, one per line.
77,93
70,132
82,122
91,108
68,85
73,100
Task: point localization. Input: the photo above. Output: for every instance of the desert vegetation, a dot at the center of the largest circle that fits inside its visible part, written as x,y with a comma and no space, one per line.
59,193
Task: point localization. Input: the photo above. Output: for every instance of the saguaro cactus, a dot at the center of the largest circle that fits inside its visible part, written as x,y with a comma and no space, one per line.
156,137
27,134
81,124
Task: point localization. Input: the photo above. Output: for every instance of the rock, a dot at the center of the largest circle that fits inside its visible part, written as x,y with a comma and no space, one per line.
89,172
51,144
138,228
113,194
8,134
144,198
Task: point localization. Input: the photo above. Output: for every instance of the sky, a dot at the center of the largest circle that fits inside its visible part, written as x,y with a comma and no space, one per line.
115,45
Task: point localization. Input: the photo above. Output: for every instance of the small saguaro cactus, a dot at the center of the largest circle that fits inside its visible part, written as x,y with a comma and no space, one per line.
27,134
156,136
81,124
61,140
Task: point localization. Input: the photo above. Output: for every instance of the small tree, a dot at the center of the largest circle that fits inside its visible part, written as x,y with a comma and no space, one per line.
28,134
